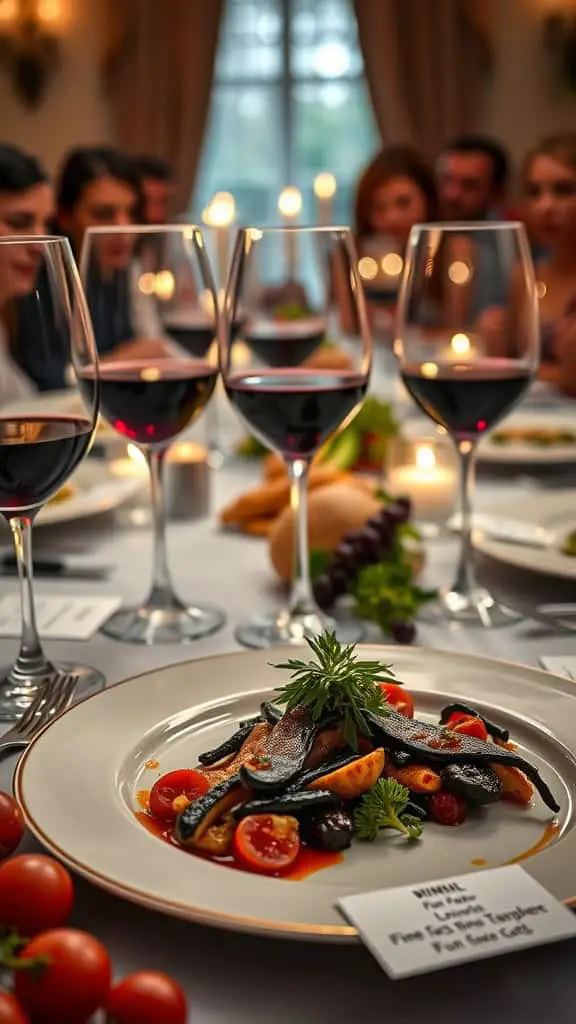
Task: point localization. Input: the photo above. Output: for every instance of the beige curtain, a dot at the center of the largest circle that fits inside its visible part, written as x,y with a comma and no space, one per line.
423,61
159,70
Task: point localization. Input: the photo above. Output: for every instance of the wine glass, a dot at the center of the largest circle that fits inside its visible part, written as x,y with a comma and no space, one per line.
45,317
292,290
152,388
467,341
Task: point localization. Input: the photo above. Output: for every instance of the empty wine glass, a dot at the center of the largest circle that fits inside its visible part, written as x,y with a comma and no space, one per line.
467,341
44,313
290,292
152,387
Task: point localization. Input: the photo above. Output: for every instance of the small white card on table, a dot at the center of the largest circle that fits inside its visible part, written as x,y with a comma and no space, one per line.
59,618
415,929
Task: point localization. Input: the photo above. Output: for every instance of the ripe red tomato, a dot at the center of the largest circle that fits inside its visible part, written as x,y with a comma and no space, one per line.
183,782
74,983
11,824
36,893
267,843
467,725
398,698
10,1010
447,809
147,997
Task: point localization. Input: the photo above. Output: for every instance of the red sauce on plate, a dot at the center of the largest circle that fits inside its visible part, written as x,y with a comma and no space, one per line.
307,862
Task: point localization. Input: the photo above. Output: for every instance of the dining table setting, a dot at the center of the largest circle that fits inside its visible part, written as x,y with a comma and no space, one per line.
209,522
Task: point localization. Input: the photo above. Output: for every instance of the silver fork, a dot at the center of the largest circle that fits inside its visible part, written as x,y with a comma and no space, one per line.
50,700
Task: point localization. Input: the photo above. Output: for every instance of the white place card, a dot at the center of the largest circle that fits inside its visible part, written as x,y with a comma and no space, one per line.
59,618
560,665
415,929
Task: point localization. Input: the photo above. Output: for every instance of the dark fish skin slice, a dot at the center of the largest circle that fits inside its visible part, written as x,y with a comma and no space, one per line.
397,732
270,712
477,783
231,745
287,747
493,730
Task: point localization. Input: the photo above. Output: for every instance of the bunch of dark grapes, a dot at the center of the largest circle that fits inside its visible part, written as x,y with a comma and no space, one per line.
364,547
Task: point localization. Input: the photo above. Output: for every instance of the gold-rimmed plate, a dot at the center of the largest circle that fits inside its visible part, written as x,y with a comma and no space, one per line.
78,785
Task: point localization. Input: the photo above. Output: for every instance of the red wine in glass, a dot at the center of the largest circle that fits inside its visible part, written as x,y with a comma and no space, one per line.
37,455
150,403
289,347
296,411
467,399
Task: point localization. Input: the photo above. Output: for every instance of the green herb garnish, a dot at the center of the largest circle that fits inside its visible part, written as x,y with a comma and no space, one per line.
318,562
386,593
383,807
336,683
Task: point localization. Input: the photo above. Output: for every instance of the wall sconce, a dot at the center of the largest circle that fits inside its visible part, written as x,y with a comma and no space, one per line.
559,37
29,45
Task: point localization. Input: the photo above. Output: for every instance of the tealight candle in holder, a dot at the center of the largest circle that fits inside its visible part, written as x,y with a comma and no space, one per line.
187,481
424,469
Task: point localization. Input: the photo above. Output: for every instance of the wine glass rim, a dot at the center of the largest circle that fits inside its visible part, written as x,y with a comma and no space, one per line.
36,239
267,229
142,229
468,225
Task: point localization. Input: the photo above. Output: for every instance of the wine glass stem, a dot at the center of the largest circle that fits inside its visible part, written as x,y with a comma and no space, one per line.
31,660
161,594
464,583
301,597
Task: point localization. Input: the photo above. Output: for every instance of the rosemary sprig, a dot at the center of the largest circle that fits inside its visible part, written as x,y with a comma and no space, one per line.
383,807
336,683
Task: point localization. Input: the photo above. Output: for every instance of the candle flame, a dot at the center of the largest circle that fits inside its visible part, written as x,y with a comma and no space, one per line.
392,264
425,457
221,210
324,185
460,344
290,202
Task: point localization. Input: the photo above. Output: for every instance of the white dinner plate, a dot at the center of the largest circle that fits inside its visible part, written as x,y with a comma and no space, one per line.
522,453
95,490
78,783
554,514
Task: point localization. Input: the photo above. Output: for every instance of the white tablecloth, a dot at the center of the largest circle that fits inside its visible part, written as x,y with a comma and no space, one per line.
245,980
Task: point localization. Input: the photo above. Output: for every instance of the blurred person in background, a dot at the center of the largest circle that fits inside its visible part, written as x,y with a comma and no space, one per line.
472,176
157,187
26,208
100,187
549,186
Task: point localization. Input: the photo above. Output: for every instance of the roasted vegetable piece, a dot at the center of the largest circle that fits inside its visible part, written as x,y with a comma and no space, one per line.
355,778
493,730
467,725
267,843
231,745
515,786
283,752
418,778
201,814
477,783
331,830
289,803
311,774
429,743
216,840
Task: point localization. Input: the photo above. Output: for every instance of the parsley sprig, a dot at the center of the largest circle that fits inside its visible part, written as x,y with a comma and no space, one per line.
383,806
336,683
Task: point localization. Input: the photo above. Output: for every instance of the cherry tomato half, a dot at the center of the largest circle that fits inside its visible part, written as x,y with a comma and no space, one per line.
467,725
267,843
147,997
182,782
11,824
36,893
398,698
74,983
447,808
10,1010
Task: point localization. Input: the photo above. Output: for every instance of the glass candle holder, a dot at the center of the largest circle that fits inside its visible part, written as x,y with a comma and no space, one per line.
424,468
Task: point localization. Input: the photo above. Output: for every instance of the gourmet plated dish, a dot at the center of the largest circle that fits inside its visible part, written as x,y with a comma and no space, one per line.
541,437
337,758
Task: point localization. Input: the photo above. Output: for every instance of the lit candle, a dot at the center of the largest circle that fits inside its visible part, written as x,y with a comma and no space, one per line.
187,481
221,214
289,205
462,346
324,190
430,487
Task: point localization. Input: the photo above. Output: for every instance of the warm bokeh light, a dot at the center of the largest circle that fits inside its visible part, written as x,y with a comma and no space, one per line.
150,373
460,344
147,283
429,370
290,202
165,285
541,289
459,272
50,12
221,210
367,268
324,185
425,457
392,264
135,454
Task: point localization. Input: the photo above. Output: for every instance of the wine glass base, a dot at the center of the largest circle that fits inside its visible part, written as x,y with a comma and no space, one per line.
270,630
478,609
176,624
17,693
